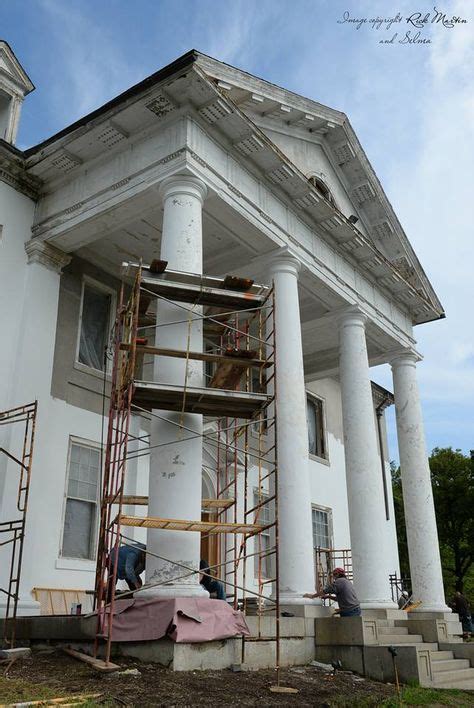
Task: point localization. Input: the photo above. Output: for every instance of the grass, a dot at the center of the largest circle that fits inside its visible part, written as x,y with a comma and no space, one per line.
20,691
419,696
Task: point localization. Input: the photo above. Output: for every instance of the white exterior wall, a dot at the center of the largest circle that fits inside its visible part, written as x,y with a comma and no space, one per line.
311,159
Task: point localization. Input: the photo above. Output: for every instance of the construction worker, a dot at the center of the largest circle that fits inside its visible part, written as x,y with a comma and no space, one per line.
460,604
211,584
131,564
341,590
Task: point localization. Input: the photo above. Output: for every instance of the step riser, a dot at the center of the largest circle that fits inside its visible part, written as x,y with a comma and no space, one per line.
450,665
441,655
402,631
453,676
401,639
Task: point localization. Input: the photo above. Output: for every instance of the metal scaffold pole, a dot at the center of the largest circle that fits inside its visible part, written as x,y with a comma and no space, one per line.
238,401
14,529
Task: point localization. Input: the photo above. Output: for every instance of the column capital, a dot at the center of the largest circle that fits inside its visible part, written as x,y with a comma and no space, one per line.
45,254
178,185
405,357
352,315
283,261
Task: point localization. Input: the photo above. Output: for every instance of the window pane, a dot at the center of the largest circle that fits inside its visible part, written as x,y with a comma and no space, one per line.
311,415
79,525
321,529
94,327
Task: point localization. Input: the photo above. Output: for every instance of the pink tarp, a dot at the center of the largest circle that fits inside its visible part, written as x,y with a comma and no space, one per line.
181,619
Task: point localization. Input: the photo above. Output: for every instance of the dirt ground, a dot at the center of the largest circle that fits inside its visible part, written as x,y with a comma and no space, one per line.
54,674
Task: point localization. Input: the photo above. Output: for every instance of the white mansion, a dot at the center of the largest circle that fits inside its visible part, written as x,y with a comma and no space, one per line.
258,182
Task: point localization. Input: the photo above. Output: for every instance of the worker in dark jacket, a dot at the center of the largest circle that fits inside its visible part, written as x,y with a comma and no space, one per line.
341,590
460,604
131,564
211,584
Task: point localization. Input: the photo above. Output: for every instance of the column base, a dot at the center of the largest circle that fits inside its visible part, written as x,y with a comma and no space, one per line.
378,605
174,590
26,607
435,609
290,598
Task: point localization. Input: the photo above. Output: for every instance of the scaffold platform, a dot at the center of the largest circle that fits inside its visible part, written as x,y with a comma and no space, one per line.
207,401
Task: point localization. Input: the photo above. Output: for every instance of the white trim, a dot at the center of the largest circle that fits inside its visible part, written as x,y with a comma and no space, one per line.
326,510
97,285
322,400
81,564
74,440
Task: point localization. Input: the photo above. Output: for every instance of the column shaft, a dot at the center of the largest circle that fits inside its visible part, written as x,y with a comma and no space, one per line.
364,484
420,519
176,460
296,546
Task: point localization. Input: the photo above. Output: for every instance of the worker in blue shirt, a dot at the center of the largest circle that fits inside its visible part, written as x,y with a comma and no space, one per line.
131,563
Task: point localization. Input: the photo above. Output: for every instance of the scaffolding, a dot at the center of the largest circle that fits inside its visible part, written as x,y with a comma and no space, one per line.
14,529
326,559
238,401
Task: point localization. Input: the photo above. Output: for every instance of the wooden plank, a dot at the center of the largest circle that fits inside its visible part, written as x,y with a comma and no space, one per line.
227,375
206,503
97,664
65,701
184,525
243,361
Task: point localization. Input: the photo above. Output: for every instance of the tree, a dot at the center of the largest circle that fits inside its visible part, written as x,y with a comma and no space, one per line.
452,476
400,520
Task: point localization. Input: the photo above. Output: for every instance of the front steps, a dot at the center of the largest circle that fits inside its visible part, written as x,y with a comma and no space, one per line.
429,648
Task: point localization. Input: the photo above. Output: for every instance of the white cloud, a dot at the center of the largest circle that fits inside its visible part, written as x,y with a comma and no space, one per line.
92,68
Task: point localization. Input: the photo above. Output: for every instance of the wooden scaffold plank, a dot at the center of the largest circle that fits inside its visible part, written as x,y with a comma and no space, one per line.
184,525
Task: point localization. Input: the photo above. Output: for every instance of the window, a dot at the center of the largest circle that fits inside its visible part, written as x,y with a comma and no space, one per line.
322,527
316,432
263,516
82,499
96,308
322,188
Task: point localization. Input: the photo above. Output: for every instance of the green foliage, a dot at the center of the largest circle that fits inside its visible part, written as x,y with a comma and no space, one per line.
400,520
452,477
418,696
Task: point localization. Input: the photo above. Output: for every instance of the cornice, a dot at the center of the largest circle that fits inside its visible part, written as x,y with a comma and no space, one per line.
50,257
13,172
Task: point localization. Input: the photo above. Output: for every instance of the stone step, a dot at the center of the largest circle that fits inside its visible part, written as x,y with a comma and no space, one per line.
392,630
453,677
460,685
441,655
450,665
401,639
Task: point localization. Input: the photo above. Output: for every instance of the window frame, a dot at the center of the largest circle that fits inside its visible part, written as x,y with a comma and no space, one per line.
97,285
325,510
266,533
74,440
314,398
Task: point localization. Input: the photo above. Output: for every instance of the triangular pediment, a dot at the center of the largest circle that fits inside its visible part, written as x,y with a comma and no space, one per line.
12,74
321,143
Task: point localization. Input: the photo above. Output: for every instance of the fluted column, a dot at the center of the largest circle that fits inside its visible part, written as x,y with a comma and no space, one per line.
176,463
296,547
364,485
420,519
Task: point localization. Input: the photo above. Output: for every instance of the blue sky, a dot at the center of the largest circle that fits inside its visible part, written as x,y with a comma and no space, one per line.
412,106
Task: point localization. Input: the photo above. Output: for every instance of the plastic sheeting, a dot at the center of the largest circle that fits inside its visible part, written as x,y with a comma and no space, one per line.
180,619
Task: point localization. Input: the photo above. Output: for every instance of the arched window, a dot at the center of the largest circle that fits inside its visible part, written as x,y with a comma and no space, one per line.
322,188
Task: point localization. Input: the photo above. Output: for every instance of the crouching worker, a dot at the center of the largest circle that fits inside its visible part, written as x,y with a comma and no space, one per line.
341,590
131,564
211,584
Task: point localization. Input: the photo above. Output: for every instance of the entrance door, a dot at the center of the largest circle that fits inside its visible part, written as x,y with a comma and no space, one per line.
210,544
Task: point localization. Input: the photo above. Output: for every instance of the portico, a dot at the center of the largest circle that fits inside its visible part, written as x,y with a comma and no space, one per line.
186,170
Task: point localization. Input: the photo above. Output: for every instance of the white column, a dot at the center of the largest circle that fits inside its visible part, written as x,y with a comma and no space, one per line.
30,379
294,494
420,519
175,465
364,484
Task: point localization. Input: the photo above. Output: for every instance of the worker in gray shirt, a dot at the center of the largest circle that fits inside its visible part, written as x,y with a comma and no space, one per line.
341,590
